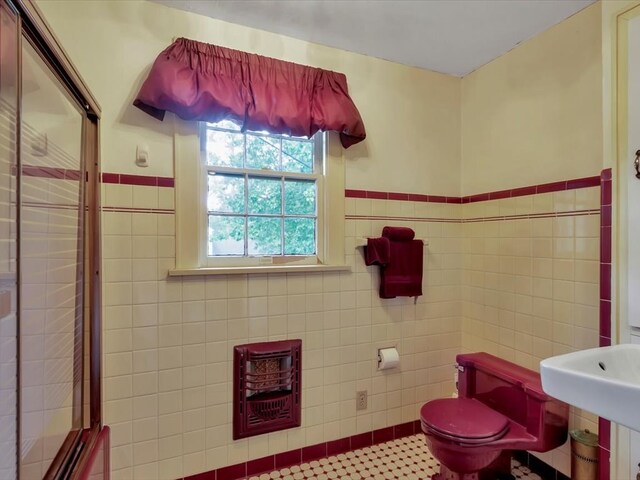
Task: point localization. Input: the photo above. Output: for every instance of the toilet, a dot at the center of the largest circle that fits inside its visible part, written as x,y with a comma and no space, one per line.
500,407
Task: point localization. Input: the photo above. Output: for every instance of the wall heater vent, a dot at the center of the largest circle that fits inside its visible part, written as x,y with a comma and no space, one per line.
266,387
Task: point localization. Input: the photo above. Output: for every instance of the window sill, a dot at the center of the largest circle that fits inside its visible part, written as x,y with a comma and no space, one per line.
187,272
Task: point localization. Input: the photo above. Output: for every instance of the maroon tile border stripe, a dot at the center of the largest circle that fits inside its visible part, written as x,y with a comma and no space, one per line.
409,197
499,218
51,206
606,200
115,178
50,172
140,180
307,454
403,219
145,180
162,211
479,197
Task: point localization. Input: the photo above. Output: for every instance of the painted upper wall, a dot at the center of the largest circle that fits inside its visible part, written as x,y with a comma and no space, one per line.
534,115
531,116
412,116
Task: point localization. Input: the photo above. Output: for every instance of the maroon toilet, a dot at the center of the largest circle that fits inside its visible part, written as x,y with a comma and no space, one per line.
500,407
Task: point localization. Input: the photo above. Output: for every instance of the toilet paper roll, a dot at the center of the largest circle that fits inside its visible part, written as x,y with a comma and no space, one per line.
388,358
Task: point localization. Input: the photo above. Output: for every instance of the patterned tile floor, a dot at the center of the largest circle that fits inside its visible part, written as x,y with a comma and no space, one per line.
404,459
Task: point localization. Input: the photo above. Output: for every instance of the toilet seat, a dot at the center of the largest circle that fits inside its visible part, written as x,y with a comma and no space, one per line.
463,420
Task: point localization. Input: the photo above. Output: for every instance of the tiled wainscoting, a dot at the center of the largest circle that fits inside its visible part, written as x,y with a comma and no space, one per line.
168,341
530,282
8,383
530,272
49,217
514,273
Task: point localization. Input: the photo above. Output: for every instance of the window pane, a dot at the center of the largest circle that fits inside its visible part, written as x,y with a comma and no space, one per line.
228,124
225,149
263,152
226,235
265,195
297,156
265,236
226,193
300,236
300,197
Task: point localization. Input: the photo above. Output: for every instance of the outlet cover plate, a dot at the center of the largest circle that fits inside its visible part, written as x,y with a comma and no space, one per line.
361,400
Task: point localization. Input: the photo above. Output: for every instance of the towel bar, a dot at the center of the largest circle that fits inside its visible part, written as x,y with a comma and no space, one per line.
362,242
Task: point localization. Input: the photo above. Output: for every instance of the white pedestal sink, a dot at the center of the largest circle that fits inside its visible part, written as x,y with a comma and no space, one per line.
605,381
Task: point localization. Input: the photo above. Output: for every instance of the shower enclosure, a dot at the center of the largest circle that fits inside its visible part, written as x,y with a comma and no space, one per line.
50,422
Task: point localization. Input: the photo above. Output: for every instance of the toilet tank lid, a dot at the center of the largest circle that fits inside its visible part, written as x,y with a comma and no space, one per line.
508,371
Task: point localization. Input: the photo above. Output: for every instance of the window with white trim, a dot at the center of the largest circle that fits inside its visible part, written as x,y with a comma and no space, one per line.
263,201
263,194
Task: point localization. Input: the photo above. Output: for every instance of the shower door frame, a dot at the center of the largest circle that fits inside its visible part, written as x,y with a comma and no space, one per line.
75,452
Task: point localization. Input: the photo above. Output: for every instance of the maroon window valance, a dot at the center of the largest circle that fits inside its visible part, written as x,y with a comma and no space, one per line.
198,81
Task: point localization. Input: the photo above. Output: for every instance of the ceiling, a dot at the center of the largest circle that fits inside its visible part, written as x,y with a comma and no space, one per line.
448,36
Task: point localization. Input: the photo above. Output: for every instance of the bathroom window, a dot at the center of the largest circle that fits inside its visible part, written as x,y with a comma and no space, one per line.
263,193
255,201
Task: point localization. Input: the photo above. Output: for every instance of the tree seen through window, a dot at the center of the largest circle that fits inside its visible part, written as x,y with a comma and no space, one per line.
262,193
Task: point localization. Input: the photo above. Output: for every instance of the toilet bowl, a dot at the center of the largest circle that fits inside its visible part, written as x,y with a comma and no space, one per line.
500,407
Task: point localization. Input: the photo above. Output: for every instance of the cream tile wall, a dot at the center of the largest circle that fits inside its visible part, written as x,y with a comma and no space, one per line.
8,330
8,398
48,253
515,277
168,341
530,282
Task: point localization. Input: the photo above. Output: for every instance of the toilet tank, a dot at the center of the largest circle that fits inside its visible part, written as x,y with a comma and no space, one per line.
516,392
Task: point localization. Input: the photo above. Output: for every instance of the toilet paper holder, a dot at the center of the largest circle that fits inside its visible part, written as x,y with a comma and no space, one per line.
388,358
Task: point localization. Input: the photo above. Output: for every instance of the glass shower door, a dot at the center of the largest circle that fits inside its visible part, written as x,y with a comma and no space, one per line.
51,254
8,271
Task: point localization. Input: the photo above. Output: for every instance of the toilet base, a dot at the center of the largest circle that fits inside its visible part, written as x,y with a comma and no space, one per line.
439,476
446,474
500,469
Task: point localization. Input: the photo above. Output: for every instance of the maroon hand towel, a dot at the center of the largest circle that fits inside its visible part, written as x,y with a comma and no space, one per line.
402,277
377,251
398,233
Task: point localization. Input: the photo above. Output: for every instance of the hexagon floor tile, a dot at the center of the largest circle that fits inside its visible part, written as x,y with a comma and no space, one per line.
403,459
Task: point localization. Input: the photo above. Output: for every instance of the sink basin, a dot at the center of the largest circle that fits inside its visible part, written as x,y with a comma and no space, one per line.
605,381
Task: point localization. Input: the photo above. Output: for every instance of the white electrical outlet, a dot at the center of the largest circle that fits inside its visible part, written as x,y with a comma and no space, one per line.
361,400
